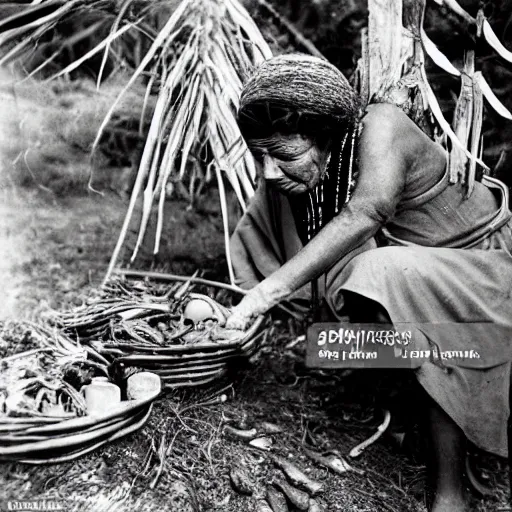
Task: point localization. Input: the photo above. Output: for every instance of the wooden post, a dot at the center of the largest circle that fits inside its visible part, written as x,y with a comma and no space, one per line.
462,118
384,46
414,13
395,55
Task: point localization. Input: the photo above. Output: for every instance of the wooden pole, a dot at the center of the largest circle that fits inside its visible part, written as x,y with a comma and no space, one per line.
384,46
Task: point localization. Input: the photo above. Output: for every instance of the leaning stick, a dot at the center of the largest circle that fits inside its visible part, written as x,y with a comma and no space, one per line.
299,38
174,277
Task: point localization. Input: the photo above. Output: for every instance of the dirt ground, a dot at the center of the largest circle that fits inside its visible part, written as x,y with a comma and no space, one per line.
53,252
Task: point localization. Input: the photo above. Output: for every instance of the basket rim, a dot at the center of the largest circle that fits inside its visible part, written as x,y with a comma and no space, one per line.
74,454
230,346
72,440
80,422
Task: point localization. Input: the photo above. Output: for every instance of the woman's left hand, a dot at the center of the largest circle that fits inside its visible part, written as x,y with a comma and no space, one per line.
252,305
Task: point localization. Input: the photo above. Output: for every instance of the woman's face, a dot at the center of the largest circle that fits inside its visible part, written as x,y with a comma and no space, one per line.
293,164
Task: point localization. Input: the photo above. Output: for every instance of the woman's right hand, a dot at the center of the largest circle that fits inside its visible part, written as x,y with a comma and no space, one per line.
250,307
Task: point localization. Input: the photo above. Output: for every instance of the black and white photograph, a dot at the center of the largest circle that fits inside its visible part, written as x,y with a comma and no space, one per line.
255,255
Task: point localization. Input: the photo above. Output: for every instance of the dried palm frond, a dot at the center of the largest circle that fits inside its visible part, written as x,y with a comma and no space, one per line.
198,60
212,46
64,28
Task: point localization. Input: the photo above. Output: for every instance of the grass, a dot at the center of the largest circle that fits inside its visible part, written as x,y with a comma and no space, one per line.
48,130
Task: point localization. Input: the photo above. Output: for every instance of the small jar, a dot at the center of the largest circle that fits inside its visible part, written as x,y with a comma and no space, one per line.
101,396
140,386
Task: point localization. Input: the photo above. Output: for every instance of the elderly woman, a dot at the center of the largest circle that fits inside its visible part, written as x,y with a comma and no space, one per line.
361,203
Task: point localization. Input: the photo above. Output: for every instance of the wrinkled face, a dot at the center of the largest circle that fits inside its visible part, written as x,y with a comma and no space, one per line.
293,164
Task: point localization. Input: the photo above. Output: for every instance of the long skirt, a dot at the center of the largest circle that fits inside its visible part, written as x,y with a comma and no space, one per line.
417,284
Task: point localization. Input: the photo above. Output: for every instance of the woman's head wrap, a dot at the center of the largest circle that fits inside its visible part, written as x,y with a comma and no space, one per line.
296,93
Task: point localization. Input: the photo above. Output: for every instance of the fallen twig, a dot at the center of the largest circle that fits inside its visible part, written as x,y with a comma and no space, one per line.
332,461
357,450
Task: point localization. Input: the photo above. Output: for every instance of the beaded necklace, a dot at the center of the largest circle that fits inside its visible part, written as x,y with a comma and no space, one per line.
317,207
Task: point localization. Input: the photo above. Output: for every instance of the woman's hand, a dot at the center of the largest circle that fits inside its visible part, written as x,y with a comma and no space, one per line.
255,303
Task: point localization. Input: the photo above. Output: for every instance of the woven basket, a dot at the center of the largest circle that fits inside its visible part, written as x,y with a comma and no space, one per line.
48,441
188,365
108,325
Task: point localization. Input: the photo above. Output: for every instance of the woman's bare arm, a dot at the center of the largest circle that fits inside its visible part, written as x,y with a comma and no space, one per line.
386,150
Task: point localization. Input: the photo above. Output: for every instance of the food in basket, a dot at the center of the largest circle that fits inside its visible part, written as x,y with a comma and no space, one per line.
39,398
200,308
143,315
168,330
33,385
197,310
56,401
45,382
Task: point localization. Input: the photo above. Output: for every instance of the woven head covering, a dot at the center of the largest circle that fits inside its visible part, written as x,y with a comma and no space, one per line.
296,93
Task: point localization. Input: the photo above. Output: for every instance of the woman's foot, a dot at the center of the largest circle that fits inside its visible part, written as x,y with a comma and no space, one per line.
447,466
455,503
